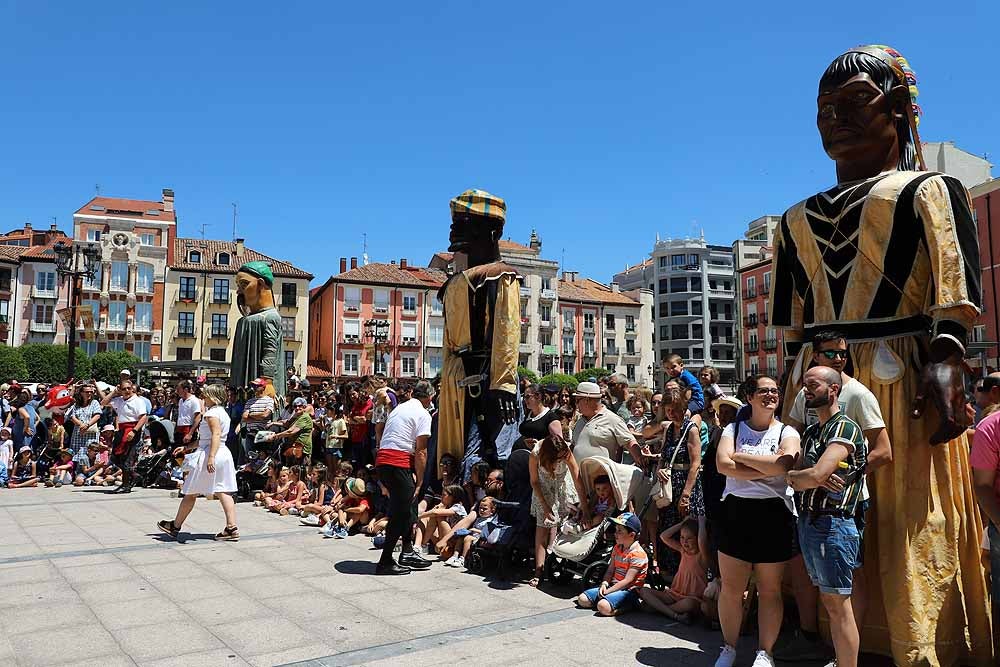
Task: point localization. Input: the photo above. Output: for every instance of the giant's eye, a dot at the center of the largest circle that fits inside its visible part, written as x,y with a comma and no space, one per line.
826,111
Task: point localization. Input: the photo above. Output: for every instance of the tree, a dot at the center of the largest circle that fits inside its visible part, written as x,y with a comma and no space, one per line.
560,379
527,373
49,363
596,373
12,366
106,366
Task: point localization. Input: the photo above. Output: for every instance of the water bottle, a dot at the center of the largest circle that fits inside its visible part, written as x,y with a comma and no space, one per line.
837,497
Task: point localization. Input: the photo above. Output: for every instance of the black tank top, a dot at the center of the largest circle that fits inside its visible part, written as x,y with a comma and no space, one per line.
538,429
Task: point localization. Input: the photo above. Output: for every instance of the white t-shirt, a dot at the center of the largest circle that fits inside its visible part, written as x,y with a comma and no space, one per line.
187,408
129,411
6,452
761,443
404,425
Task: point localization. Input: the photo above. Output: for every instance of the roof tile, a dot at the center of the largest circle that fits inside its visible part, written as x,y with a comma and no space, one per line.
591,291
210,249
131,208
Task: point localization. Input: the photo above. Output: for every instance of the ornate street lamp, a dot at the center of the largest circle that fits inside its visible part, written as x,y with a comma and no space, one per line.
68,265
377,331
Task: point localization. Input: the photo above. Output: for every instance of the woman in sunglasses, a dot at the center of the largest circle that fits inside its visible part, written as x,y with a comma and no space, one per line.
757,522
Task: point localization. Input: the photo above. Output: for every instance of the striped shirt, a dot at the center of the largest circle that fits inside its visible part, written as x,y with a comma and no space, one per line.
626,558
843,430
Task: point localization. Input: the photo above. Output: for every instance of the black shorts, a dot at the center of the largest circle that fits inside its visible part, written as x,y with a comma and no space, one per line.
756,530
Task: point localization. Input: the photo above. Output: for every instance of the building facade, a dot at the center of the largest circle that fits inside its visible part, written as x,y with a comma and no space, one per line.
986,208
758,344
200,301
399,299
946,157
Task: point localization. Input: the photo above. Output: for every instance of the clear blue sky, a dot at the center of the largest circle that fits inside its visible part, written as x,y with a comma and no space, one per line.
601,124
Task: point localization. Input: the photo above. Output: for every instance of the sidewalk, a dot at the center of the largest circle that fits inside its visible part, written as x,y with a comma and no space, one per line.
88,580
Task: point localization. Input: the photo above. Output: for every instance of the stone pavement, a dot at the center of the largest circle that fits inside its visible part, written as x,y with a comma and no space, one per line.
88,580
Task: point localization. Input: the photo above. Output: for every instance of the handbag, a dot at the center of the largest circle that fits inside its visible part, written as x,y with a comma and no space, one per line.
663,492
295,451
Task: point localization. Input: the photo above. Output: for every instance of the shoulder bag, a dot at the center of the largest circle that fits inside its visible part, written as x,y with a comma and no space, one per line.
663,492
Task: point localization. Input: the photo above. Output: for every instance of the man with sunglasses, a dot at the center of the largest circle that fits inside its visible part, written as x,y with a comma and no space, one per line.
987,393
860,405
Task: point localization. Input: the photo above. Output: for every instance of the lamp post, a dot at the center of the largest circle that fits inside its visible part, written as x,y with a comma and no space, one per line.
68,265
649,374
378,332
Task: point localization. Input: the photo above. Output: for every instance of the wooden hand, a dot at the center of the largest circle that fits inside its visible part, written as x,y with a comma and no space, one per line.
506,405
943,384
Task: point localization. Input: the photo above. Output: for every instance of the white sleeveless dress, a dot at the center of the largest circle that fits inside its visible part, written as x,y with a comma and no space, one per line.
201,482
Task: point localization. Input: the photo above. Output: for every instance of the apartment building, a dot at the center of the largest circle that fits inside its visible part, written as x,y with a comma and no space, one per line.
759,346
378,318
200,301
10,266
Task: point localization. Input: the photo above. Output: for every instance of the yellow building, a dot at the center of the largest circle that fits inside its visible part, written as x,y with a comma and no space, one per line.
200,310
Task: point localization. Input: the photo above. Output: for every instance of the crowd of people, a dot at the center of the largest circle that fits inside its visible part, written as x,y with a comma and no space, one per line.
734,494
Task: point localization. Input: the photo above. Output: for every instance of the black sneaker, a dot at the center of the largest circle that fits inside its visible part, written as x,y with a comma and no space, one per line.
414,560
391,568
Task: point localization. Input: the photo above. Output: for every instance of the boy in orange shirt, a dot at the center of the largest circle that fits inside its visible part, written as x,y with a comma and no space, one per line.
626,572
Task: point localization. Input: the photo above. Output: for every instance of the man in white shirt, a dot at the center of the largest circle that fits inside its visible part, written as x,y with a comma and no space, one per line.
188,414
131,415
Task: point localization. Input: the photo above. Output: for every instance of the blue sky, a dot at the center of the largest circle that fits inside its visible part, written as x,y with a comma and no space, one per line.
601,124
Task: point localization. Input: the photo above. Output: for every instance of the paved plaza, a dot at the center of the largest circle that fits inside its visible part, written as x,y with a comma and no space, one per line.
87,580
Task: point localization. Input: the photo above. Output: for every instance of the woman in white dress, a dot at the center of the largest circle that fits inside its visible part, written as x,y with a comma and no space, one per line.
210,468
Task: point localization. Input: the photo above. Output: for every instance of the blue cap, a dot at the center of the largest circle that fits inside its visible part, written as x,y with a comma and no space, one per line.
628,520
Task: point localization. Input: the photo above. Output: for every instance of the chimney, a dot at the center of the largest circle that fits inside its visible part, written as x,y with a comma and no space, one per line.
570,276
343,265
534,242
27,226
393,262
168,199
402,263
354,262
616,288
240,247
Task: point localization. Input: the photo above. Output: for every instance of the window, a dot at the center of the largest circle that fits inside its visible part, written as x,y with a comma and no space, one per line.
697,331
43,314
609,322
187,289
545,337
678,308
147,239
45,281
678,284
693,259
289,359
611,366
567,320
435,334
144,317
630,372
409,333
754,365
767,283
289,295
697,353
664,332
772,365
524,311
588,346
93,235
352,330
630,323
220,325
678,261
433,364
95,308
115,345
217,354
116,314
184,353
696,284
409,365
696,307
194,257
222,259
144,278
352,298
546,313
437,308
410,303
89,347
569,366
141,349
546,283
220,290
4,311
288,328
350,363
381,301
678,332
630,346
568,345
588,321
94,283
663,262
609,346
119,276
185,324
751,287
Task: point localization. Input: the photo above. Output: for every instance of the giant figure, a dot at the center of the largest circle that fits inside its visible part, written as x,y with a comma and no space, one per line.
258,347
890,257
482,307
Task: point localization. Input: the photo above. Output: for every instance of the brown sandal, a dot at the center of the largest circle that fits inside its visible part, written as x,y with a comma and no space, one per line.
169,528
229,534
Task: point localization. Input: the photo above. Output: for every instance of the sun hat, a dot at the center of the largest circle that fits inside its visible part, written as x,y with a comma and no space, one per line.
258,382
628,520
587,390
355,487
24,448
731,401
299,402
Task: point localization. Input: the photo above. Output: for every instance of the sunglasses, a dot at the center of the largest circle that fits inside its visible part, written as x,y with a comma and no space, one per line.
833,354
768,391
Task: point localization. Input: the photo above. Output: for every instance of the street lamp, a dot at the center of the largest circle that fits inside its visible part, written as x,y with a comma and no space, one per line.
68,266
649,374
378,332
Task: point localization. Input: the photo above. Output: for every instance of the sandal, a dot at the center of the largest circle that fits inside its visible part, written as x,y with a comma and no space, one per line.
169,528
534,581
229,534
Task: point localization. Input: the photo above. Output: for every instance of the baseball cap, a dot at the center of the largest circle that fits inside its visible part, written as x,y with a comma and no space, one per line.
628,520
258,382
108,427
126,371
299,402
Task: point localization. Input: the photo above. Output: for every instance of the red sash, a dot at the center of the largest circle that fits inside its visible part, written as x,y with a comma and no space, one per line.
122,446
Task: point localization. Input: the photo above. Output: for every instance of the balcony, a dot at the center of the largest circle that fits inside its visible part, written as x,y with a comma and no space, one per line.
292,336
187,295
224,299
750,321
610,351
632,353
350,339
590,354
569,352
525,348
723,340
545,324
765,289
630,331
548,295
752,346
142,327
771,344
406,341
568,327
350,307
525,291
750,293
39,293
43,327
380,308
218,332
721,292
288,301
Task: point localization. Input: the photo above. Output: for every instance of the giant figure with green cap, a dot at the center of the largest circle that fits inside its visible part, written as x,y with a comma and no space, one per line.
258,350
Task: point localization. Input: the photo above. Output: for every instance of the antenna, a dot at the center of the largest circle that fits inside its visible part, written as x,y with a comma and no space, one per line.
203,226
364,249
234,222
97,189
562,261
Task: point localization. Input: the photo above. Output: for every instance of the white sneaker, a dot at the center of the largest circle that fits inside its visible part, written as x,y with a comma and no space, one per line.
460,562
763,660
294,511
330,529
310,520
727,657
453,561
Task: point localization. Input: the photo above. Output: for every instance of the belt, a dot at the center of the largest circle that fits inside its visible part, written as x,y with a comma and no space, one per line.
473,384
837,513
914,324
680,466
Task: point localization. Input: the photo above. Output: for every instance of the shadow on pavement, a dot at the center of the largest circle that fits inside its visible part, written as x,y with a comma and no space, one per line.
651,655
355,567
183,538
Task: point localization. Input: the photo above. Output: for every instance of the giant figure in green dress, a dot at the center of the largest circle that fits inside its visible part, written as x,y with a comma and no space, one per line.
258,348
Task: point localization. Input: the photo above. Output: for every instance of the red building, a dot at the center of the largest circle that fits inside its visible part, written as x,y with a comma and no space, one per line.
761,348
986,208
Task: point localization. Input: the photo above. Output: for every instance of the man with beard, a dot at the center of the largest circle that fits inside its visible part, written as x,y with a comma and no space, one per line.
828,535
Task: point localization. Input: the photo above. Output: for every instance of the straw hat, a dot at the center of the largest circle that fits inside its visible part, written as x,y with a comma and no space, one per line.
587,390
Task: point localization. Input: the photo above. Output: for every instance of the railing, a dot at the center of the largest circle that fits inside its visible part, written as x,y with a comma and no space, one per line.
750,320
350,339
548,294
723,340
752,346
569,352
750,293
116,325
611,351
377,308
222,298
771,344
630,328
187,295
43,327
632,353
182,332
568,327
406,341
588,354
352,308
288,301
765,289
39,293
215,332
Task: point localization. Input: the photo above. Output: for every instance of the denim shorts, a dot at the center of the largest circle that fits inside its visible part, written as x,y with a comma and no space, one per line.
830,551
619,600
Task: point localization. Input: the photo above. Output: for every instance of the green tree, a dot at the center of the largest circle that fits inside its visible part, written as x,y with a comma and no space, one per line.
527,373
12,366
596,373
560,379
50,363
106,366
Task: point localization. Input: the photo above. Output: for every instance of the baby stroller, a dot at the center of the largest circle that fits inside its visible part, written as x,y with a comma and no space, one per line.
587,554
514,524
148,468
252,477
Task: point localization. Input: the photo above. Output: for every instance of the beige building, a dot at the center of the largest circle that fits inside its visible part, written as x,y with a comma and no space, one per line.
200,311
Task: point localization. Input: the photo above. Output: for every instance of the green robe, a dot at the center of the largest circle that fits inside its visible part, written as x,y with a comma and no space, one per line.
259,350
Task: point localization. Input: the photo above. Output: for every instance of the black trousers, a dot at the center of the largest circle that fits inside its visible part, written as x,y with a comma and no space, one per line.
402,508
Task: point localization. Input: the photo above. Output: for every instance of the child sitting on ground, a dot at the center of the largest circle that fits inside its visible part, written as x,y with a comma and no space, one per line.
61,472
313,476
626,573
354,510
271,501
436,522
602,503
271,485
295,490
684,597
475,488
460,539
24,472
324,497
6,454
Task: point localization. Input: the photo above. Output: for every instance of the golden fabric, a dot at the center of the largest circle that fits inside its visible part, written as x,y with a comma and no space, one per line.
458,335
866,258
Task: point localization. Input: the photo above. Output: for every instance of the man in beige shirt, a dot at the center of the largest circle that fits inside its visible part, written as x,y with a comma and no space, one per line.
599,431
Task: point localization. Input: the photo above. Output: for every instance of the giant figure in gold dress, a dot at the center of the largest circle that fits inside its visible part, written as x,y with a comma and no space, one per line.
482,331
890,257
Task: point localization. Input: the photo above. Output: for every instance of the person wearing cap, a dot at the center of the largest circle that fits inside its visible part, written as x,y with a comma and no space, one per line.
626,573
258,344
599,431
188,414
130,411
258,412
403,452
24,472
298,433
618,395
